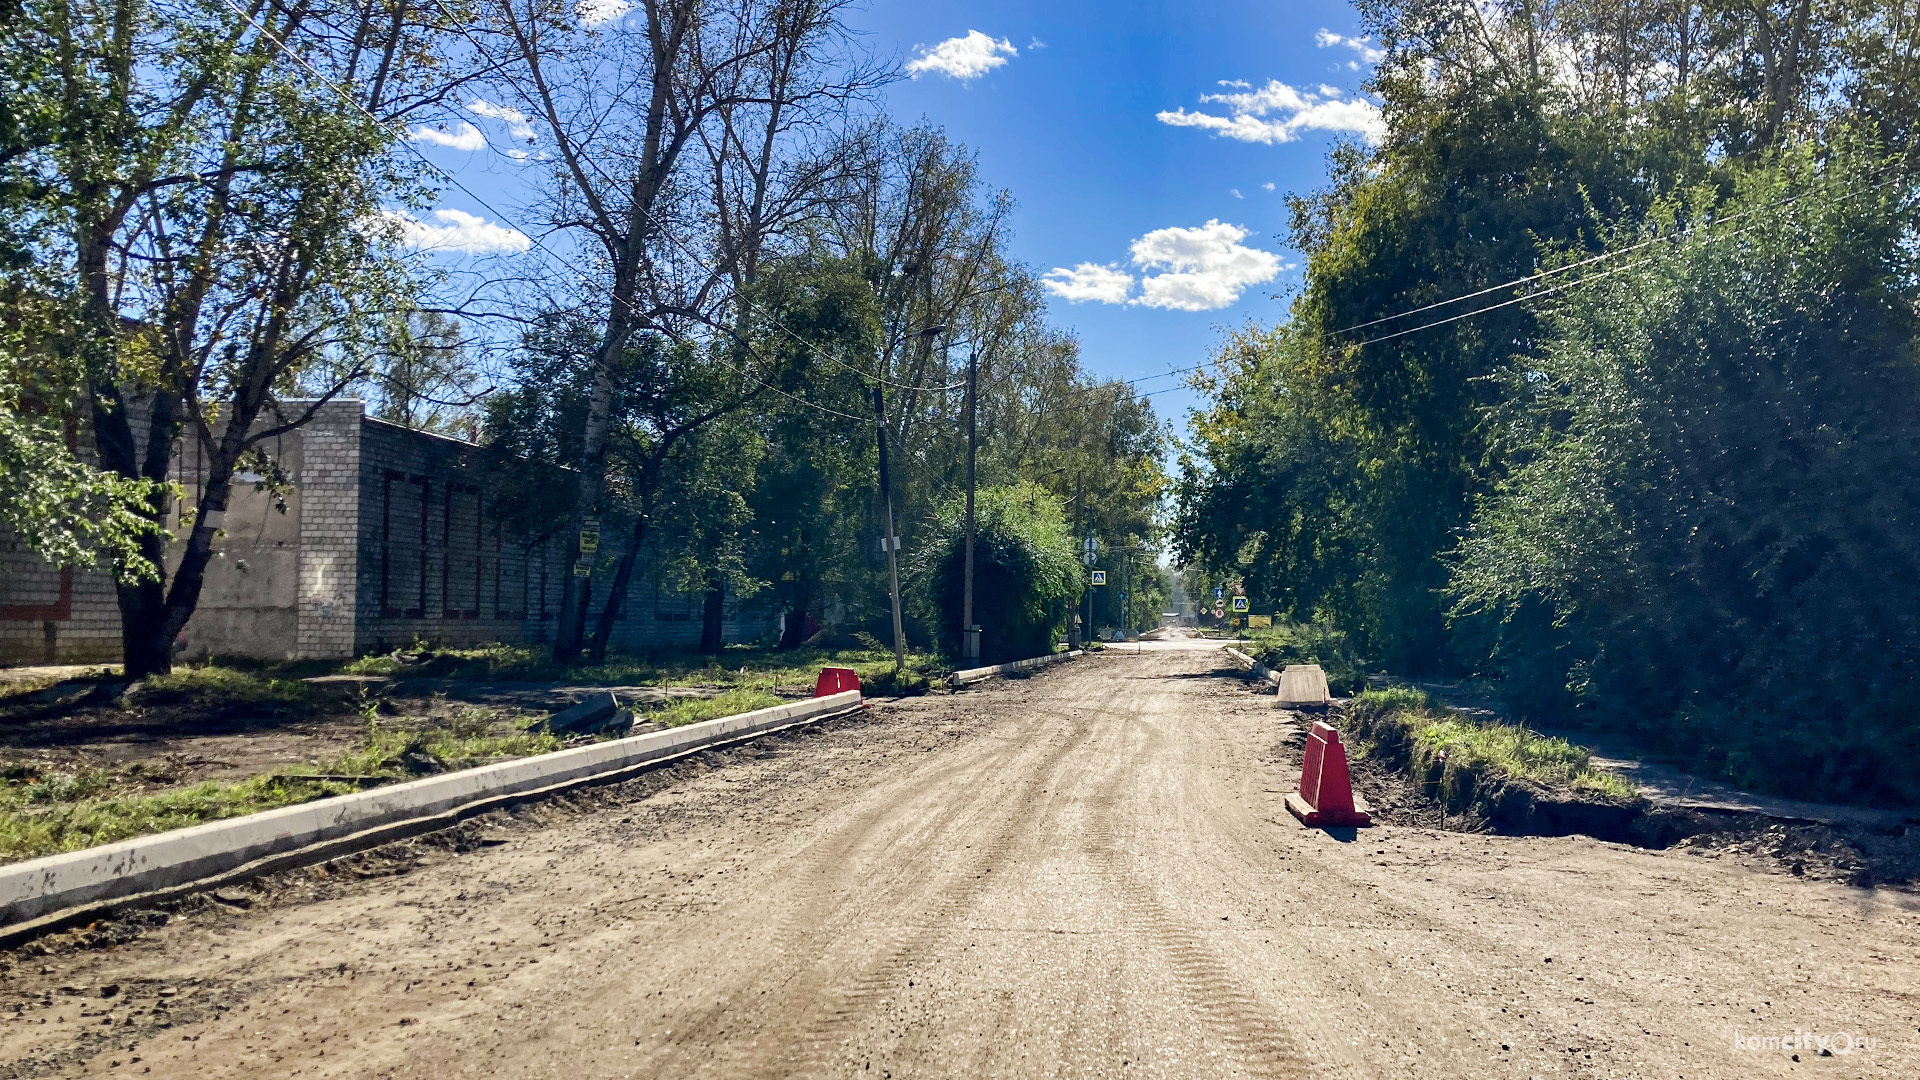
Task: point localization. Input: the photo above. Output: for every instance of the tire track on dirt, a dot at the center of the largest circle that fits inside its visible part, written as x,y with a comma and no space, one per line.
1251,1032
939,913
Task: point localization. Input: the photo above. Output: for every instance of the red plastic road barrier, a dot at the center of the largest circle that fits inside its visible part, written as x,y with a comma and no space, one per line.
1326,789
836,680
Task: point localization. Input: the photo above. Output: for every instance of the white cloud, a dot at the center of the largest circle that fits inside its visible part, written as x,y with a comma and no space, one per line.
1268,186
1236,193
1202,269
465,137
458,231
596,12
1277,113
1089,281
1035,43
516,121
1364,46
963,58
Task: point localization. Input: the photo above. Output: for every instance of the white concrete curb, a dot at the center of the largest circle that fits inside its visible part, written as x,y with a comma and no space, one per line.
143,864
1306,686
1259,670
973,675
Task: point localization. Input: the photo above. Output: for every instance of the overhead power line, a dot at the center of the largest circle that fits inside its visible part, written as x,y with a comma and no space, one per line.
1603,256
1608,272
287,52
563,260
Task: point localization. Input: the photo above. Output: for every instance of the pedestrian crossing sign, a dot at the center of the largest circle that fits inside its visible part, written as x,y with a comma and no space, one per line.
1099,577
1240,603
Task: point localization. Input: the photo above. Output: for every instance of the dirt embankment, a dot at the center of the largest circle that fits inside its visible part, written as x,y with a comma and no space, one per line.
1404,790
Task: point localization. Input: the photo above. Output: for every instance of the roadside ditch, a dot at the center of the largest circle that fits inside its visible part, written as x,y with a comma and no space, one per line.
1422,764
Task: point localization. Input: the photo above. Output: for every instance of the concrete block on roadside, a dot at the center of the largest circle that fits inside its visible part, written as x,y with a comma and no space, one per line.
1303,684
590,715
620,722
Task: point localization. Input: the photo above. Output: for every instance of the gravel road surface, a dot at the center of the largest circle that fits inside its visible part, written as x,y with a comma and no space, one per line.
1089,873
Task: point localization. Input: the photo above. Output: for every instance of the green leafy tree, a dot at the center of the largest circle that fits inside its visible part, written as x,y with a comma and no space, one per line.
1709,532
1346,450
1026,572
208,214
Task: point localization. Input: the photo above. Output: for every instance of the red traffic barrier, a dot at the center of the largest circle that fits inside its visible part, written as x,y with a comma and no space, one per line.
836,680
1326,789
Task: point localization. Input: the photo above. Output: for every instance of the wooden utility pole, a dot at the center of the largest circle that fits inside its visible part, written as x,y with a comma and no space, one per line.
969,633
890,542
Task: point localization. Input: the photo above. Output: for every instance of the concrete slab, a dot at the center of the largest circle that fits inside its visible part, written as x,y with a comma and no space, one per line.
1303,684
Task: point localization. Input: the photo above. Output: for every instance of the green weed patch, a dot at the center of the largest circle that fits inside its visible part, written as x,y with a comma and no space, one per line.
1457,756
1302,643
693,710
43,814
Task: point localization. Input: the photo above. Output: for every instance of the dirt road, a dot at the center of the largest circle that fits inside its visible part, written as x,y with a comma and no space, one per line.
1089,873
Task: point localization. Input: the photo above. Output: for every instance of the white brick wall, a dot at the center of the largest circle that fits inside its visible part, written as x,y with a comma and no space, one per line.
342,606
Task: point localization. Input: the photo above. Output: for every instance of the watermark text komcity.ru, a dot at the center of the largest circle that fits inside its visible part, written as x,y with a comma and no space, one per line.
1839,1042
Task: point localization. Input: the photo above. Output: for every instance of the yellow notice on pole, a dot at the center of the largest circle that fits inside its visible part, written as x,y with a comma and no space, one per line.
1259,622
590,540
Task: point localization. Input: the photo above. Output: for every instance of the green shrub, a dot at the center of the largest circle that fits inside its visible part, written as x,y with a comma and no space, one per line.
1311,643
1711,529
1026,573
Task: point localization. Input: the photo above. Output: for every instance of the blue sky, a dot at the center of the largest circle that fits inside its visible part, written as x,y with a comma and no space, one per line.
1070,125
1148,146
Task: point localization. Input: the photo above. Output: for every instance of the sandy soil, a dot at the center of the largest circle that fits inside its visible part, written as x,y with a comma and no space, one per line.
1087,873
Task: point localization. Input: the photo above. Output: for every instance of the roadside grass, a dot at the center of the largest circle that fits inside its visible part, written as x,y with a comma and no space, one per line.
221,684
737,667
1308,643
1456,751
28,831
19,683
693,710
399,749
42,814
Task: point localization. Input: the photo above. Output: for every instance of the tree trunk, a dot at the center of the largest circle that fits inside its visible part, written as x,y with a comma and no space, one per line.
617,599
571,631
794,634
712,616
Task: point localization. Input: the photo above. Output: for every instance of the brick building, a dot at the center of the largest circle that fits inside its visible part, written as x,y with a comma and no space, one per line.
387,537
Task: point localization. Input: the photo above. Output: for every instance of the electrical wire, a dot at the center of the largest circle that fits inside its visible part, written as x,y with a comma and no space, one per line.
284,50
538,242
1583,262
1610,271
